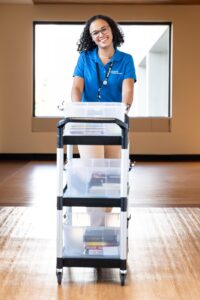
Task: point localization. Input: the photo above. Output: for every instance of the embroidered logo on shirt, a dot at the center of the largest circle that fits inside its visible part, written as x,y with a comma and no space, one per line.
116,72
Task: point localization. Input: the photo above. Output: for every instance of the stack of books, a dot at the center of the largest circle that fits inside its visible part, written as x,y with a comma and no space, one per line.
101,182
99,178
101,241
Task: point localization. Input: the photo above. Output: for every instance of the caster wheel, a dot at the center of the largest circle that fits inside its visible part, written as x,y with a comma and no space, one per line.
59,277
122,279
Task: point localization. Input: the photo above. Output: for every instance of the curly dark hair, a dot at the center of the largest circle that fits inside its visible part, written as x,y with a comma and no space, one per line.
86,43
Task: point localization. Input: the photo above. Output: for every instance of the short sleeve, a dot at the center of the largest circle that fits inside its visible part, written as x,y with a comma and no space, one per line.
130,68
79,69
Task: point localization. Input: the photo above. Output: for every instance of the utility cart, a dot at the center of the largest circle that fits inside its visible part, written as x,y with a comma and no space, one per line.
83,184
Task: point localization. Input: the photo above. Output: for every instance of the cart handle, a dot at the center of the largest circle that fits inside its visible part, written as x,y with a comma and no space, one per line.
122,125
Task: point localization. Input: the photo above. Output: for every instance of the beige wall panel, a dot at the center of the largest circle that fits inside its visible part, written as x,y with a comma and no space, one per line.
16,75
1,108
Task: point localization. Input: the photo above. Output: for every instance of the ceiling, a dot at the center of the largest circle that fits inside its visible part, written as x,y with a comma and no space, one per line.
148,2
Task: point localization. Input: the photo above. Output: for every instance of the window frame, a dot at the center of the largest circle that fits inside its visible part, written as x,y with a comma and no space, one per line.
141,124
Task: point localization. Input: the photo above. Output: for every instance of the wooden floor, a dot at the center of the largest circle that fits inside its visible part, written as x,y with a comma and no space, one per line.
157,184
164,241
163,262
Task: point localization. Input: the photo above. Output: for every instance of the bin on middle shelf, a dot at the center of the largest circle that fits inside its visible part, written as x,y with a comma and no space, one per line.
93,178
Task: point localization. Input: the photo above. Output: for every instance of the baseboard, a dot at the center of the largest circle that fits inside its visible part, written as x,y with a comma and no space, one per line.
133,157
27,156
165,157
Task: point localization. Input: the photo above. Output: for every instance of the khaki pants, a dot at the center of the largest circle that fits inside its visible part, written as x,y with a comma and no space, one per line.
97,215
99,151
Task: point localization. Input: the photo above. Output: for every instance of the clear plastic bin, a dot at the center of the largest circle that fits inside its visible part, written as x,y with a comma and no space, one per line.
95,110
93,178
92,129
82,240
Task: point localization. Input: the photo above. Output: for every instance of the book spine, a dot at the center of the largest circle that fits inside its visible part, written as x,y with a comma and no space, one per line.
101,244
106,251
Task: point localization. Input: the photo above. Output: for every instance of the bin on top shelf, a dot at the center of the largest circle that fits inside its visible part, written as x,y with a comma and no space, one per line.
95,110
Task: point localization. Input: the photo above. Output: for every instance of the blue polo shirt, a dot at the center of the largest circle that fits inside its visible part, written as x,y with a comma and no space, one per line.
123,68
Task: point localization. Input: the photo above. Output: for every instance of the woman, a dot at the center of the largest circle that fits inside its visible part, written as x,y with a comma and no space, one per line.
103,73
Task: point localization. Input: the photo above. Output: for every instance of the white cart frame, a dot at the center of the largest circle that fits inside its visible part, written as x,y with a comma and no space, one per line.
121,202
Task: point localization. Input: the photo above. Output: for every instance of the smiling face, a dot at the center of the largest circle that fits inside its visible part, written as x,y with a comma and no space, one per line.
101,34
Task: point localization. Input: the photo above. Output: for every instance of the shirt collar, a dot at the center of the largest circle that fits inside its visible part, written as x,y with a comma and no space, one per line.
117,56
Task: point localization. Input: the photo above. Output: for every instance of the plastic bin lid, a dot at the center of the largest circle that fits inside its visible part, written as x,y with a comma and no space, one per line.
95,109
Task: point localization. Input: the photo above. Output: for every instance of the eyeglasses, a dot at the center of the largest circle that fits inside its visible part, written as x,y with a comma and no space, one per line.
103,30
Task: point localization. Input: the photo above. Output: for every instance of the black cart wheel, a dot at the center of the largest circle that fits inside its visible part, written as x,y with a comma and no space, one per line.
59,277
122,279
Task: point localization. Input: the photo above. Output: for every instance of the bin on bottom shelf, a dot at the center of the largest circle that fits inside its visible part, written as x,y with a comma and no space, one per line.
82,241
